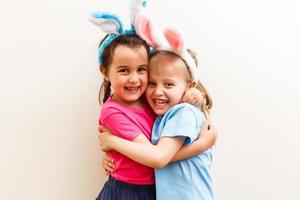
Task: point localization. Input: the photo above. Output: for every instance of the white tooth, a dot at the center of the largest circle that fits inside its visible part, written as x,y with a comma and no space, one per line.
132,89
158,101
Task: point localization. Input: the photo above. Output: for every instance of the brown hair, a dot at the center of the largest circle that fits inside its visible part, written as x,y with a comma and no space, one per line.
206,103
132,41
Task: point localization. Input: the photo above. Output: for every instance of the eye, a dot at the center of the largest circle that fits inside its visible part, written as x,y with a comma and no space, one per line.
169,85
151,84
123,70
142,69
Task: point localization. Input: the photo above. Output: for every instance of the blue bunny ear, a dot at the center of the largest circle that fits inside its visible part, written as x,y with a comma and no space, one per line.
107,22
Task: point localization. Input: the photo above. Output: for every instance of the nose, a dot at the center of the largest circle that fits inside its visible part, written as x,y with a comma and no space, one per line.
158,91
133,77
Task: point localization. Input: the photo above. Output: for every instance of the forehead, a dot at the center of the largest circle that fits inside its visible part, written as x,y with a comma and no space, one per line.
167,65
124,53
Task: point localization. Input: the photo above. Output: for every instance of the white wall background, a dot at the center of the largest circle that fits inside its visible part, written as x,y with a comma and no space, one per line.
249,53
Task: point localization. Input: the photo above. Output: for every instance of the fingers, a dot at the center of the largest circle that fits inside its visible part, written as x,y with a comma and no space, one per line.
107,165
107,158
102,129
206,125
106,173
104,168
190,99
214,131
193,96
208,133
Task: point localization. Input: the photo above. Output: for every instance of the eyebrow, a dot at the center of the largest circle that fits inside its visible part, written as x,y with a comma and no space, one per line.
168,80
125,66
121,66
165,80
143,65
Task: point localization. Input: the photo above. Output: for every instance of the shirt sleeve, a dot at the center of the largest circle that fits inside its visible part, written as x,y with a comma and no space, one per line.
182,122
121,125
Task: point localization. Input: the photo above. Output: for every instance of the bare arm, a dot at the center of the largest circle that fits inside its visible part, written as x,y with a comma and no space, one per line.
207,139
207,135
141,150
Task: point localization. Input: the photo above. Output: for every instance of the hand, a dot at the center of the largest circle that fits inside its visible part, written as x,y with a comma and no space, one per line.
193,96
105,138
108,165
208,135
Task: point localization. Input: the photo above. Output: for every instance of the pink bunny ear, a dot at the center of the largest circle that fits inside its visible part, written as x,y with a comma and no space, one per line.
144,28
174,38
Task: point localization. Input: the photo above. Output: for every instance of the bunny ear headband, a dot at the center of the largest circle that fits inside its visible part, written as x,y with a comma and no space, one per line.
142,26
112,25
174,41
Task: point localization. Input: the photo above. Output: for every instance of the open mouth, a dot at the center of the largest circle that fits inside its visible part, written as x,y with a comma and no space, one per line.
132,89
160,102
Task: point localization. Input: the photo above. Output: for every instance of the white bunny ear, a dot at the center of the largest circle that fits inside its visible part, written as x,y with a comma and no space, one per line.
176,41
174,38
136,6
144,29
107,22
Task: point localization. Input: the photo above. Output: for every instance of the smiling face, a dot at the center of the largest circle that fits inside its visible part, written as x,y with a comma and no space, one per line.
128,74
168,80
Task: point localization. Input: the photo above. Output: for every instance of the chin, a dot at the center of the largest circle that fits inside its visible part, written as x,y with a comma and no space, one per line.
159,112
132,99
135,97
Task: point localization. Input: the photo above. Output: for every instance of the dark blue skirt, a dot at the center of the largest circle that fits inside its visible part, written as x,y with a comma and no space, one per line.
118,190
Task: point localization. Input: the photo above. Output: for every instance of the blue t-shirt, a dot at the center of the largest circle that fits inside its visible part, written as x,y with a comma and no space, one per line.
188,179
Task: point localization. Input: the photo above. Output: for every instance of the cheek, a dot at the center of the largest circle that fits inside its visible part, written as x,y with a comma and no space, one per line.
117,83
148,93
144,83
179,93
111,77
145,79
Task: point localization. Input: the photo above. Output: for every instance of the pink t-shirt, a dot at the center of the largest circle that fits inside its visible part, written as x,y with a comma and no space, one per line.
127,122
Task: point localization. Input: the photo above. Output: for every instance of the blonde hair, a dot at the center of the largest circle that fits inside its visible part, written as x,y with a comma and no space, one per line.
206,103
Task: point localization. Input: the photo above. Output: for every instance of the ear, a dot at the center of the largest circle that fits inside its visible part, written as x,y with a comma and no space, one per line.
192,84
144,28
104,72
174,38
107,22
